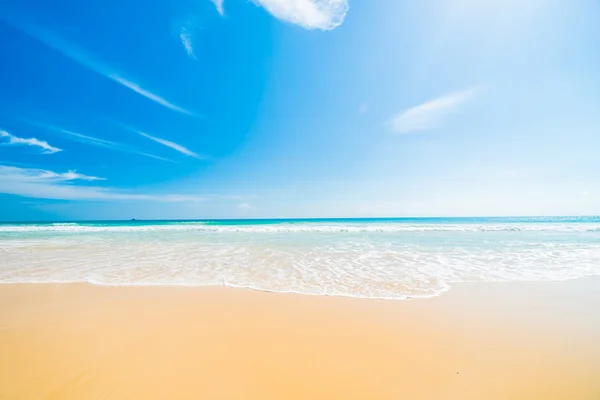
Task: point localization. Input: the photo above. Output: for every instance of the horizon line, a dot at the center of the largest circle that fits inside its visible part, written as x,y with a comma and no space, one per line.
299,218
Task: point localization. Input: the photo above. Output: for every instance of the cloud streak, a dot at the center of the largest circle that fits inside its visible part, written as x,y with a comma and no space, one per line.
18,141
136,88
70,175
44,184
81,56
430,114
94,141
175,146
10,173
219,6
186,40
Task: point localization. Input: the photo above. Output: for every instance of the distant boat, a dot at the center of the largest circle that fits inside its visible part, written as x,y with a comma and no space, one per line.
133,219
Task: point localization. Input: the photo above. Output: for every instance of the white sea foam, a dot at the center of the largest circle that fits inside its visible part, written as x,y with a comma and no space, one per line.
385,260
307,228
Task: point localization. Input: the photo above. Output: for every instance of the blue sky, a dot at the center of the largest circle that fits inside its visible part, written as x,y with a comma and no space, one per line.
298,108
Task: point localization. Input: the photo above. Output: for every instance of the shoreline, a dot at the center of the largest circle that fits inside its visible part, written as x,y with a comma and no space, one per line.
227,285
534,340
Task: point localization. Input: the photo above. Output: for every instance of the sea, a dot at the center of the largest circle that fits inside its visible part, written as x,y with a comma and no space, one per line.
392,258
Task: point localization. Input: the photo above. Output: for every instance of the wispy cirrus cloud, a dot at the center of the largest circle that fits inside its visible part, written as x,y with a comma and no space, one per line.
94,141
18,141
175,146
219,6
70,175
188,27
187,41
86,59
11,173
138,89
45,184
429,115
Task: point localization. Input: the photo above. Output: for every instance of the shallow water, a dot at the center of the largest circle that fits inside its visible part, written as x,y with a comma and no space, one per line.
375,258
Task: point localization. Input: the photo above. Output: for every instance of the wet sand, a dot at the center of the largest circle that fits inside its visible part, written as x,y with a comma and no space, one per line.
478,341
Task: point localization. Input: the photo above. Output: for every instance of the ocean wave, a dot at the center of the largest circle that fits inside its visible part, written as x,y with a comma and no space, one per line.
365,267
307,228
380,260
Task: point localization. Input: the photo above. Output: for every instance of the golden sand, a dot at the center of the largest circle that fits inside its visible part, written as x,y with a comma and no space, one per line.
484,341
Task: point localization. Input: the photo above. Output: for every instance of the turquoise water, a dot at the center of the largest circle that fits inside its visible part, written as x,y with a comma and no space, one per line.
375,258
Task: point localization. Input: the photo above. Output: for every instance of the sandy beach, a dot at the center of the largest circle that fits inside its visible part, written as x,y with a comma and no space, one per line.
478,341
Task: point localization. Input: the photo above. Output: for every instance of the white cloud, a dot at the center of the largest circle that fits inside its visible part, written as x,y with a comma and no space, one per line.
136,88
84,58
17,141
174,146
168,143
186,39
428,115
187,28
44,184
164,142
67,176
309,14
94,141
219,6
10,173
86,138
